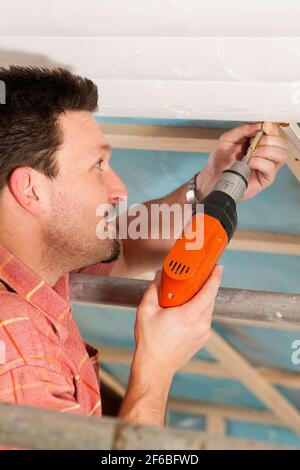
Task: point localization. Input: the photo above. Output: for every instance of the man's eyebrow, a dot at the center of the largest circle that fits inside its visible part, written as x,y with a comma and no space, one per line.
104,148
99,149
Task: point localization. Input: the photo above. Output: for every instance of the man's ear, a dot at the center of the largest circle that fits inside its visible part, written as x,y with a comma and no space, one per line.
25,186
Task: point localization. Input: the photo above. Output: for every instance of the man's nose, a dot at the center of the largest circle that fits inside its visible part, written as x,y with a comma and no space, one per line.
118,189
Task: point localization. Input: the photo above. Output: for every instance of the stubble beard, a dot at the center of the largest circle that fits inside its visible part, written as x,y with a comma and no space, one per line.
73,250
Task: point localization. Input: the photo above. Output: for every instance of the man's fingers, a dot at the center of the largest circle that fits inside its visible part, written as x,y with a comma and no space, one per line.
267,168
209,291
274,141
271,128
241,134
157,277
274,154
150,297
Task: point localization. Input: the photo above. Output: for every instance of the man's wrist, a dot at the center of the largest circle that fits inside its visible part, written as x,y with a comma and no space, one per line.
149,372
147,392
205,181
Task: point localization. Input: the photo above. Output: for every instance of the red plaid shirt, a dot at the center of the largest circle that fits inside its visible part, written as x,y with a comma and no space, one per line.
46,362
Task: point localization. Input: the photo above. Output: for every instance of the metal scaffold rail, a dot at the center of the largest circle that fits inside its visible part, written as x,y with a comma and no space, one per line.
39,429
232,305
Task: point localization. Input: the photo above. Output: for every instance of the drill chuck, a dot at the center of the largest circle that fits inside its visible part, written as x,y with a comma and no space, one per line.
234,181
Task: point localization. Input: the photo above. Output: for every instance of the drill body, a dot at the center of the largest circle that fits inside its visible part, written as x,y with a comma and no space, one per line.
185,270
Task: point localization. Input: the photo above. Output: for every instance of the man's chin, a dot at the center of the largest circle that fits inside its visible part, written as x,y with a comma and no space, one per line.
115,252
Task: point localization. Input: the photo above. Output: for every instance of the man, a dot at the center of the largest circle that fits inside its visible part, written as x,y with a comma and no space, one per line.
54,172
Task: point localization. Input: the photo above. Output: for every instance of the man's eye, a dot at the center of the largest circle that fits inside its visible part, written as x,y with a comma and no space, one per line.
99,164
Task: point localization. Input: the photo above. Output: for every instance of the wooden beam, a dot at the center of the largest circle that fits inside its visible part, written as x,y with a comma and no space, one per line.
186,139
226,412
36,428
205,368
266,242
215,424
180,139
280,377
293,133
113,384
164,138
248,376
235,305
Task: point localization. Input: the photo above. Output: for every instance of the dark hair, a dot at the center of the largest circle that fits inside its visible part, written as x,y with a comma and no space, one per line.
34,99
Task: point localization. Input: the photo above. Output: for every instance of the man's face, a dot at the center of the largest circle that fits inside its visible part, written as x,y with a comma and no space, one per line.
85,181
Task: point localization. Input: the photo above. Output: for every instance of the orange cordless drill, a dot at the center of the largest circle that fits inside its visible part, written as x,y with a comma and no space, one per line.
186,270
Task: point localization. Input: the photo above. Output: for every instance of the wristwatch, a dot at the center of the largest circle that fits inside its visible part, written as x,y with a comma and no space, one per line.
191,194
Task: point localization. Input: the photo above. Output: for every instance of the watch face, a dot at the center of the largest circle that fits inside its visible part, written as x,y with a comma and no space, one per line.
190,196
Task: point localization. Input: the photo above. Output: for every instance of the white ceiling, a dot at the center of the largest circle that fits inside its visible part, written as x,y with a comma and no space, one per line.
230,59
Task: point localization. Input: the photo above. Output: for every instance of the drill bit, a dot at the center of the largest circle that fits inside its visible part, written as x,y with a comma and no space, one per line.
253,146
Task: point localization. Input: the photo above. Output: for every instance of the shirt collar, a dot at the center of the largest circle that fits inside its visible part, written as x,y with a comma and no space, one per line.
51,302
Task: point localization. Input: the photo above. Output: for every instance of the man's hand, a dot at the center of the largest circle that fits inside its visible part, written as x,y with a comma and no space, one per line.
166,339
270,154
